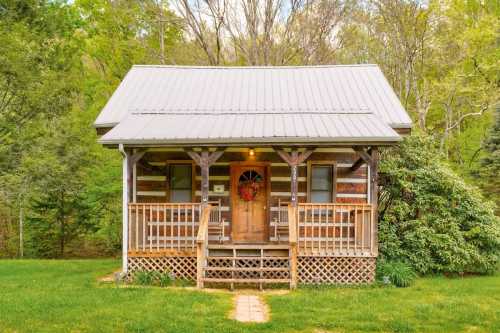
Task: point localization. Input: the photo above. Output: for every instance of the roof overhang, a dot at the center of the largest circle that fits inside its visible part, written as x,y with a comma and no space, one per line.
250,129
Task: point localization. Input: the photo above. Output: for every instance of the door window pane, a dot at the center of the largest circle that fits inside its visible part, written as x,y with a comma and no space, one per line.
180,196
181,183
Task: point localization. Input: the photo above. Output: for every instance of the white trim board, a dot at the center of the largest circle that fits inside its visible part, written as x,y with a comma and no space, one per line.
186,241
152,193
152,178
351,195
256,149
348,165
213,194
287,194
273,179
219,178
352,180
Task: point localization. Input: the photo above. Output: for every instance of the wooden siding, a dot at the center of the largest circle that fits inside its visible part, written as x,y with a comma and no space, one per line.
152,183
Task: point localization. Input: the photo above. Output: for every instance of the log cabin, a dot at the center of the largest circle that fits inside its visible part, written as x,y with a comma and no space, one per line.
252,175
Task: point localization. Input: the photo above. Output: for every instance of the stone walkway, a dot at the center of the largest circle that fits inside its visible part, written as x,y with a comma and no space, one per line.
250,308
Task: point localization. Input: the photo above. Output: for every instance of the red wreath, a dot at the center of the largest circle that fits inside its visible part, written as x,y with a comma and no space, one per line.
248,190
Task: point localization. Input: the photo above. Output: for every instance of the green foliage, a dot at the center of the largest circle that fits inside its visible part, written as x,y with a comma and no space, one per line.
63,296
145,278
183,283
165,279
60,61
430,218
154,278
399,273
488,175
59,64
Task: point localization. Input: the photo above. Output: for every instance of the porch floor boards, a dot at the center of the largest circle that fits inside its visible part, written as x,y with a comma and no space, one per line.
253,246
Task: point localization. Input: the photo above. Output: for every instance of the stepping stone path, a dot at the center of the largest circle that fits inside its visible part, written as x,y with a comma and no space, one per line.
250,308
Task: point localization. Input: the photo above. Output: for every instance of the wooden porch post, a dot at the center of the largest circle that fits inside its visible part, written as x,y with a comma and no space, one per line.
371,158
205,173
205,160
293,160
126,181
374,197
294,184
132,161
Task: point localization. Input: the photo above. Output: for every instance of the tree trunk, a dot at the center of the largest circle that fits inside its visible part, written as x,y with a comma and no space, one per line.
62,223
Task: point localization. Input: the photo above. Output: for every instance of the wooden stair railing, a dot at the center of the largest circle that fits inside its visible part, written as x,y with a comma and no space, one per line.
201,245
292,239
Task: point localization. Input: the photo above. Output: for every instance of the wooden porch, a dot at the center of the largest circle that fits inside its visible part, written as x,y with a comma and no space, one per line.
198,231
277,236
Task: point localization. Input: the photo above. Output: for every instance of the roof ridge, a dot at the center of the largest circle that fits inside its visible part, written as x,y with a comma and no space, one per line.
249,67
151,113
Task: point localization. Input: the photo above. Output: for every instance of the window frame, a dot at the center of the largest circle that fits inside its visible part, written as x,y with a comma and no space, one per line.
169,164
310,165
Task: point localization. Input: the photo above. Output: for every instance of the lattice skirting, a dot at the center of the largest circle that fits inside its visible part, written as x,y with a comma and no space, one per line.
336,270
180,267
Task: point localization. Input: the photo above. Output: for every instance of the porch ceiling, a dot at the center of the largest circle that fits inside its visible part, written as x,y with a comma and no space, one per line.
254,128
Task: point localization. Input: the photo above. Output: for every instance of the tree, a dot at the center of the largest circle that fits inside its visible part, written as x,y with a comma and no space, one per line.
59,63
489,173
430,218
264,32
57,167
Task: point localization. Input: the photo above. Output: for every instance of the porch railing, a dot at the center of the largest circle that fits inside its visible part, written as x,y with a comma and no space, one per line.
201,245
155,227
335,229
320,229
278,223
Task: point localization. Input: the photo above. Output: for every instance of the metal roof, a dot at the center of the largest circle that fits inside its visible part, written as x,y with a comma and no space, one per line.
177,103
250,128
337,89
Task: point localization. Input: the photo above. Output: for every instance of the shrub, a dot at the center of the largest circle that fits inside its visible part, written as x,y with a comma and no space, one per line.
183,283
431,219
145,278
399,273
165,279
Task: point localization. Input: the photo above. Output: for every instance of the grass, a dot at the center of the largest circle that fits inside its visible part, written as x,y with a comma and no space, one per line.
64,296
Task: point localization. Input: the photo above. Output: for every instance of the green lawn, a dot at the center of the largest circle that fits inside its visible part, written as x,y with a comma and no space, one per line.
64,296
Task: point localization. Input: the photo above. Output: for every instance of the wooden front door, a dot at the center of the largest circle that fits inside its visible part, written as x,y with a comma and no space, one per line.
249,195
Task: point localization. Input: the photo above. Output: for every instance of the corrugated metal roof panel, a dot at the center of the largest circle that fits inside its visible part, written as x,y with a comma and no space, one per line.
247,90
244,128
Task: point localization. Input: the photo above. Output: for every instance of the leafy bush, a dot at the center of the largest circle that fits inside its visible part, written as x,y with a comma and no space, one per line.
430,218
399,273
145,278
183,283
165,279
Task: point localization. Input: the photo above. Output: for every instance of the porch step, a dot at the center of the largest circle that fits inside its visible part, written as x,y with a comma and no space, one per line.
217,280
247,257
247,263
249,246
247,269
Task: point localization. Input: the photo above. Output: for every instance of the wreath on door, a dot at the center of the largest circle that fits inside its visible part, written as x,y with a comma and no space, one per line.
249,185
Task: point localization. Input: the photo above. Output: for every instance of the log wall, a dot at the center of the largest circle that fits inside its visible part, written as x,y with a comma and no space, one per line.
152,184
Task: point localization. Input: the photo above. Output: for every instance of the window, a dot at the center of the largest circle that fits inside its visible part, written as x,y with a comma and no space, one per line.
181,183
321,182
